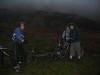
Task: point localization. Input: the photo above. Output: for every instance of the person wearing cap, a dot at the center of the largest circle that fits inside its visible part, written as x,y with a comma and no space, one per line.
18,40
75,47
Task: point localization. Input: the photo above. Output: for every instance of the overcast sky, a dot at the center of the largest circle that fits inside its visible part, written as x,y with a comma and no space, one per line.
87,8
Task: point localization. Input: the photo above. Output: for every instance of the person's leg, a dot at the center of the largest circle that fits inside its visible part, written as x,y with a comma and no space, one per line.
23,53
15,53
78,50
19,57
20,53
16,68
72,51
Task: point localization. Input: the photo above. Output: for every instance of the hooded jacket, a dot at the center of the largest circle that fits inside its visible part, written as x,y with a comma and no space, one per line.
18,35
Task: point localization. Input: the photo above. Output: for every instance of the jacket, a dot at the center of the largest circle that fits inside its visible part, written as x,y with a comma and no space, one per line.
18,35
66,34
75,35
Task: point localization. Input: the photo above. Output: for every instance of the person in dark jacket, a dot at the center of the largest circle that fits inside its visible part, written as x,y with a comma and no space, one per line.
75,42
18,40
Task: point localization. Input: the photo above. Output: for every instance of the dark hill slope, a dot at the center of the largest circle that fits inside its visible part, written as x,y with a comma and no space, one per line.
41,19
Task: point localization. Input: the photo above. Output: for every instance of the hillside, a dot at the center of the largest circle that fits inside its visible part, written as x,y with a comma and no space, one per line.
50,24
42,30
41,19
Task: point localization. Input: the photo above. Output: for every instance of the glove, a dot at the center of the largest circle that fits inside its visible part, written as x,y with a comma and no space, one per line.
22,41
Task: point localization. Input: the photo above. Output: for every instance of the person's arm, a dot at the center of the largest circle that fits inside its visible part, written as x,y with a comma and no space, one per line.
78,35
63,35
19,35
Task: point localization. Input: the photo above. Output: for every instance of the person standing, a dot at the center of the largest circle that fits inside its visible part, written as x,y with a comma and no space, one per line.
75,47
18,40
66,38
66,34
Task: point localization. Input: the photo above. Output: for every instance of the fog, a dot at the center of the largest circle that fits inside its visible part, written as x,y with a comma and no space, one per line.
87,8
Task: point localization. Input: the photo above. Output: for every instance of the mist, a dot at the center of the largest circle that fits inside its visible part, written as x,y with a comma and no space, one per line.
86,8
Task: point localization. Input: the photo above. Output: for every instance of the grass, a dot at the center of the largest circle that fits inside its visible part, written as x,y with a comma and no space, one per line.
41,43
89,65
